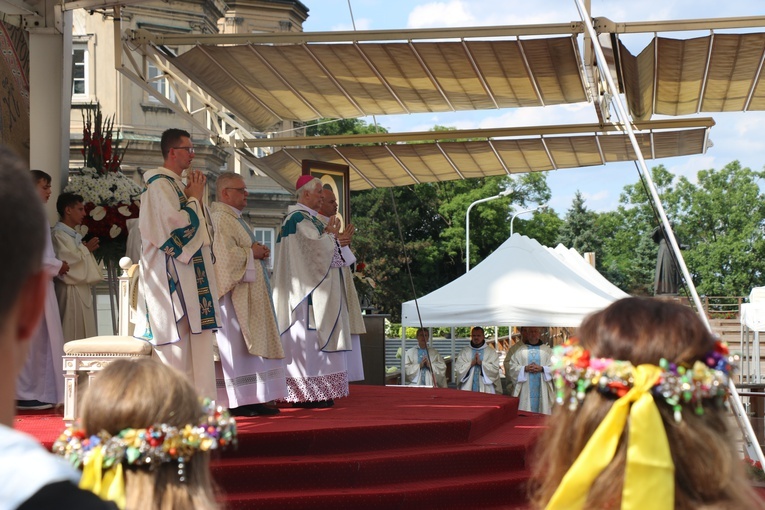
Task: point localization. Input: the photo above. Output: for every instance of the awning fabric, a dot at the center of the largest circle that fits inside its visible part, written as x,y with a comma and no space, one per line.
267,83
716,73
385,165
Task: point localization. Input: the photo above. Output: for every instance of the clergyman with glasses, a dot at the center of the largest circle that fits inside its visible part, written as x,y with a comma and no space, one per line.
178,295
251,371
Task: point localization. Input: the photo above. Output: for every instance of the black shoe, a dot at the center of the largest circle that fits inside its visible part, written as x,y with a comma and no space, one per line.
242,411
33,405
309,405
263,410
330,402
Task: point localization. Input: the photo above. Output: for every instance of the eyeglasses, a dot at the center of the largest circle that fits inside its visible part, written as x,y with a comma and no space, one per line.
190,150
242,190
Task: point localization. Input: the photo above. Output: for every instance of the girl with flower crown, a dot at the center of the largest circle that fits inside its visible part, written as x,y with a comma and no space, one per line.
145,439
641,420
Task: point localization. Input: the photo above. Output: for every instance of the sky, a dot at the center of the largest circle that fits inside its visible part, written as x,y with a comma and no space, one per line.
736,136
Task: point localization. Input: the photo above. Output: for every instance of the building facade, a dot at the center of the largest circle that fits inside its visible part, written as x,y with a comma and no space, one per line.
141,117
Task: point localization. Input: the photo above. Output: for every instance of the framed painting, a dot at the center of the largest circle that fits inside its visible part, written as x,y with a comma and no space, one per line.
336,177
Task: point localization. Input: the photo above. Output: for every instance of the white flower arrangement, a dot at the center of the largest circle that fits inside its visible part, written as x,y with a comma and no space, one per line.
112,188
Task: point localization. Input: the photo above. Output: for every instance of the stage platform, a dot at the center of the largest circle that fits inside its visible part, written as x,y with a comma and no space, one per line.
379,448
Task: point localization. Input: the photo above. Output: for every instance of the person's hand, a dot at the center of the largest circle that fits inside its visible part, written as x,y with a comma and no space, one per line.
91,245
476,360
333,226
64,268
533,368
260,251
346,237
424,363
195,186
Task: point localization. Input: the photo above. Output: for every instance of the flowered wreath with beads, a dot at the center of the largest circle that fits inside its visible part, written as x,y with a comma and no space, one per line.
101,456
574,368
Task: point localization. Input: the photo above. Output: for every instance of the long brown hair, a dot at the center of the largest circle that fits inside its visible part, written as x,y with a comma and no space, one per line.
139,394
708,470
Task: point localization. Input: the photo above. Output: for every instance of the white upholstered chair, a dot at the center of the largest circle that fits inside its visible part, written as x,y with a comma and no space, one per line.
91,355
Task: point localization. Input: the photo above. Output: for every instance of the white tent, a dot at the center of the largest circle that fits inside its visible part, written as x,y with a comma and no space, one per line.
521,284
575,261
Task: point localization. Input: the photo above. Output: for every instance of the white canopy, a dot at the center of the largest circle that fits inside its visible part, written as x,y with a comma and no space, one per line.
521,284
576,262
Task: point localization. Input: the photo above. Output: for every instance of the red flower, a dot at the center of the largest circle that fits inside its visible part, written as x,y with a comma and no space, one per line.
360,267
620,389
584,360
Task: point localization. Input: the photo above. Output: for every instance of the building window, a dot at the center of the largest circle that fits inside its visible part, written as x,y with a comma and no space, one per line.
158,80
80,89
266,236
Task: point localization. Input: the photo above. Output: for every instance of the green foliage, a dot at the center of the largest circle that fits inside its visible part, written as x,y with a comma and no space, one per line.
331,127
719,222
578,229
432,218
723,226
543,226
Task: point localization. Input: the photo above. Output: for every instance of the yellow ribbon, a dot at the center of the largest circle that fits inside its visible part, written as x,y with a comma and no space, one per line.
109,486
649,478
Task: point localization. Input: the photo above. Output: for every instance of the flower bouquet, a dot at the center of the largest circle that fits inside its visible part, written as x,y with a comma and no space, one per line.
111,197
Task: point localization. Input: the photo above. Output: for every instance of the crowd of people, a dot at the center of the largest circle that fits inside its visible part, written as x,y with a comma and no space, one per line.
204,283
527,368
638,400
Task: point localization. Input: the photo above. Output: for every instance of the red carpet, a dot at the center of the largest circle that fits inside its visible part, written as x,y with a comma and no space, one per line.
382,447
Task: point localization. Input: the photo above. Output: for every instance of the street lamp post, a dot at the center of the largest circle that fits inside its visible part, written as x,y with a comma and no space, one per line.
467,224
540,208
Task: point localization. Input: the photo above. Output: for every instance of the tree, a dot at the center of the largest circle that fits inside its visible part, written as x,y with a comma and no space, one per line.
432,219
331,127
627,256
543,226
578,229
723,225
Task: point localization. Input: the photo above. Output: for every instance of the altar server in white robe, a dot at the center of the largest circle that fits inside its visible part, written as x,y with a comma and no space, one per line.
73,289
423,363
41,381
178,296
530,369
309,296
251,368
329,210
477,365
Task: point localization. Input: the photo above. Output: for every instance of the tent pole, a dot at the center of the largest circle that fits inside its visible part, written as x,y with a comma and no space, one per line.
752,444
403,354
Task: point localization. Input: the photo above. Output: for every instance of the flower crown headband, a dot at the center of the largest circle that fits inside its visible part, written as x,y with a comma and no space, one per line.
649,469
677,385
102,456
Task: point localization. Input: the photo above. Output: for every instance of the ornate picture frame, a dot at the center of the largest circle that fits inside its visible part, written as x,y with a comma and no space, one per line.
337,177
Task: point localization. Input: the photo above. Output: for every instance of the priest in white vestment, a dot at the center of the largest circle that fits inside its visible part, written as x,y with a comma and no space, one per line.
354,359
251,368
178,296
477,365
530,370
309,296
41,381
424,364
73,289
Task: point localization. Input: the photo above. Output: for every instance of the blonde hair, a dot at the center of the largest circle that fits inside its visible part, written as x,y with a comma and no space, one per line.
138,394
708,470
